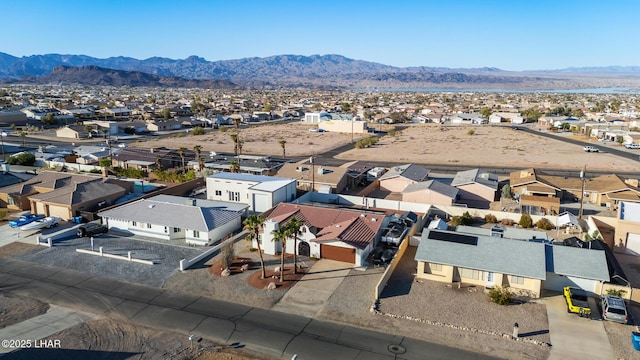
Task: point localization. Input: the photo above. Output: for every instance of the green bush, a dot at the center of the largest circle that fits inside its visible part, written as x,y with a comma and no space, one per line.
197,131
27,159
3,213
471,132
544,224
526,221
365,143
490,218
614,292
465,219
500,295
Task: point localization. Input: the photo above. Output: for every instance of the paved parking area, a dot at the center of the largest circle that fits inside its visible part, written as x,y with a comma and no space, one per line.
166,258
573,337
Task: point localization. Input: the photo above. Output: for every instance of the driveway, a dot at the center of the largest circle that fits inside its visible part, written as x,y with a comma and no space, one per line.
309,294
573,337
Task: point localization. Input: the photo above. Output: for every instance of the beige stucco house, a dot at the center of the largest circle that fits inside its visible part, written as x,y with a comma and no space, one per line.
430,192
399,177
525,267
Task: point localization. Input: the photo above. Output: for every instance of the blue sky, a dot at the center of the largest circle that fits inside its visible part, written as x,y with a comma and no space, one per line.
511,35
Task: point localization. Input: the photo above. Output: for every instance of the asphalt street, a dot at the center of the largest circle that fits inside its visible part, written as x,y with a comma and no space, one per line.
270,332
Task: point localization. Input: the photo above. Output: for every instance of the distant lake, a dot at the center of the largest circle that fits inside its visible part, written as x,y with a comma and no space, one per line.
609,90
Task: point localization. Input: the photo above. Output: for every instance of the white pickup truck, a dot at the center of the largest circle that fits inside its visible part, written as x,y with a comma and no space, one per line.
590,148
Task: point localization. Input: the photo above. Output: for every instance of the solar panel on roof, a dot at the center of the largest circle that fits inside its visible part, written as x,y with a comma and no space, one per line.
456,238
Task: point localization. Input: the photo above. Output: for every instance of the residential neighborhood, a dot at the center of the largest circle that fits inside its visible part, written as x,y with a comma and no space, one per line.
292,206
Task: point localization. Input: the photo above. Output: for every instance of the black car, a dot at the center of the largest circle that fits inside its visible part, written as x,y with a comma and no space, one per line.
91,229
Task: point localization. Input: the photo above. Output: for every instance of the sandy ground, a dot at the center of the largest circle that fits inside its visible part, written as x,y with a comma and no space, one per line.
420,143
488,146
262,140
113,339
15,309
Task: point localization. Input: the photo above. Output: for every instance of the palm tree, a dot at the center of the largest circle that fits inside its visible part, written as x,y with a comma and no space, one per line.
234,137
282,143
104,132
181,151
293,228
23,135
236,123
234,167
252,224
197,149
280,235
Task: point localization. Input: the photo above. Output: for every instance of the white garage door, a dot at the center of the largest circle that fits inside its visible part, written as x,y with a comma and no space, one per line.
633,244
557,282
261,202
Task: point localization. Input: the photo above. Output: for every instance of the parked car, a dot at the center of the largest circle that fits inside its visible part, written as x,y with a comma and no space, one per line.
48,222
91,229
613,309
577,301
589,148
25,219
632,146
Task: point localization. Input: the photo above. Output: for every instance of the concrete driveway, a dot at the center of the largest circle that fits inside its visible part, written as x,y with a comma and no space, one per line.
573,337
308,296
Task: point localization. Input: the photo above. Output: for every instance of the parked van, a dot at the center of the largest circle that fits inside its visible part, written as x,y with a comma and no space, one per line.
613,309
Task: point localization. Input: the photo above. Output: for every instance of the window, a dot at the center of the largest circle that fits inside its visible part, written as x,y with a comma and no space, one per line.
218,192
176,230
234,196
10,200
196,234
166,230
148,226
133,223
436,267
517,280
470,274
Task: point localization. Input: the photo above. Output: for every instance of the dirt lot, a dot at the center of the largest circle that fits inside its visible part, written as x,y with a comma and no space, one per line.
15,309
263,140
487,146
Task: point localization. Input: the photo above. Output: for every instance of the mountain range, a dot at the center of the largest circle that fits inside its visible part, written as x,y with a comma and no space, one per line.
294,71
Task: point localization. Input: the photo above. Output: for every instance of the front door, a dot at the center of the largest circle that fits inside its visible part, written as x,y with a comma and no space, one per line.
303,249
489,279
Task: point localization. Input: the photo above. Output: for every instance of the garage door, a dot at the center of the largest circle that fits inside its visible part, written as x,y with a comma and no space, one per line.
60,211
40,208
338,253
557,282
633,244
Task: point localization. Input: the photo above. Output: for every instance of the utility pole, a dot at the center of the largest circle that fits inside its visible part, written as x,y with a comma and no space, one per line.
313,171
582,177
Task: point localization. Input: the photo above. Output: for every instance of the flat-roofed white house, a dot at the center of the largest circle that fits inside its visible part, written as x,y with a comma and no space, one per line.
175,218
259,192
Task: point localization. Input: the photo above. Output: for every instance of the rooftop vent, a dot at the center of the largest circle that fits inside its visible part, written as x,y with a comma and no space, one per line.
151,206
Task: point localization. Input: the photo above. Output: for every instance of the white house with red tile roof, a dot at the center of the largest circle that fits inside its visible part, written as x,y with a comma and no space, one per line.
336,234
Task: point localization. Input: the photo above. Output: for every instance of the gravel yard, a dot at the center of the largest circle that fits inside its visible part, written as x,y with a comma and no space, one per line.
166,258
404,296
235,288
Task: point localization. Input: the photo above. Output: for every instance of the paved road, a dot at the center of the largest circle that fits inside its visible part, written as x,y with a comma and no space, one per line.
265,331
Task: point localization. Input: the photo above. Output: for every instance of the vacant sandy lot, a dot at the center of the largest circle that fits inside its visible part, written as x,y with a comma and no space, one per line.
487,146
263,140
420,143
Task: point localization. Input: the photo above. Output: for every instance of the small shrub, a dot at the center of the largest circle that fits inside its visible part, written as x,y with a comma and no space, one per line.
507,222
526,221
26,159
252,249
544,224
3,213
197,131
616,292
471,132
228,254
490,218
500,295
465,219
